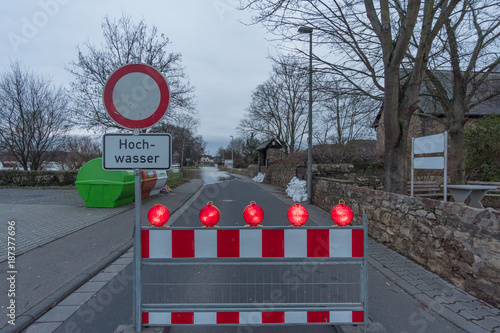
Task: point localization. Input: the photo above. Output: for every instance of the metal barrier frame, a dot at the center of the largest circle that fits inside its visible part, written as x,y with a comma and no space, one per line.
251,313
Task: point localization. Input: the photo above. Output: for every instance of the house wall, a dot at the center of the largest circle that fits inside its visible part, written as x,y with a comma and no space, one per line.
273,154
419,126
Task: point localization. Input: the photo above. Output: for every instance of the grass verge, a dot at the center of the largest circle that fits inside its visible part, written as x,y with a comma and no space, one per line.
175,179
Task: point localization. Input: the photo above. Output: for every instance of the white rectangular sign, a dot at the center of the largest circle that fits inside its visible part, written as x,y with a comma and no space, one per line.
145,151
431,163
429,144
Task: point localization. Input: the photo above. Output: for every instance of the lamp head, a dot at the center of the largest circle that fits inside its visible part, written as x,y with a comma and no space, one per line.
305,30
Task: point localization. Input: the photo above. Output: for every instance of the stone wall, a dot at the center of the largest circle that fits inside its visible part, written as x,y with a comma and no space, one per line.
280,175
251,171
459,243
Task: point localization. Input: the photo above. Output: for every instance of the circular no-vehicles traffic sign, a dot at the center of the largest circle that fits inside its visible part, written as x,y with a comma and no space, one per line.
136,96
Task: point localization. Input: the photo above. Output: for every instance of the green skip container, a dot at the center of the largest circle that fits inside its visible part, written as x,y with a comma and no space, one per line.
102,188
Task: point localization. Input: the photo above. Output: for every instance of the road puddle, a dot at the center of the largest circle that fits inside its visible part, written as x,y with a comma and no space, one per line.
212,175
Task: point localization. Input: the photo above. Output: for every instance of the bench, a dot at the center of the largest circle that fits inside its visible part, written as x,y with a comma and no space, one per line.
492,193
427,189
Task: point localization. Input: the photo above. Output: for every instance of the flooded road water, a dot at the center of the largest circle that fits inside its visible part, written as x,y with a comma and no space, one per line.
210,175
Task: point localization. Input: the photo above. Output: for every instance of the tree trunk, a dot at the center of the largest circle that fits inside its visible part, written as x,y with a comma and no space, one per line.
395,158
394,168
456,122
456,156
456,116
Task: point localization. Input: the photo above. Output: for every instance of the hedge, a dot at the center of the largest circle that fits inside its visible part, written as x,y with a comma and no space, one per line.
37,178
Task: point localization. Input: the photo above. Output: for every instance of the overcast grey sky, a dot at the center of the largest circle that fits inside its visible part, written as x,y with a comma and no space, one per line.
224,59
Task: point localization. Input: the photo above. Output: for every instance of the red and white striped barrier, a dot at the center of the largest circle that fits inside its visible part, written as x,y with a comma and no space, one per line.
253,243
252,318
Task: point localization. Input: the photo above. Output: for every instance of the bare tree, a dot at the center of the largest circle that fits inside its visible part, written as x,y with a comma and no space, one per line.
369,42
279,105
123,41
79,150
345,114
223,153
33,117
198,146
184,137
470,40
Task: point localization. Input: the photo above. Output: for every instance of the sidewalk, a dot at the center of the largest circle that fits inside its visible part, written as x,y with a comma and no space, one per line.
64,245
38,215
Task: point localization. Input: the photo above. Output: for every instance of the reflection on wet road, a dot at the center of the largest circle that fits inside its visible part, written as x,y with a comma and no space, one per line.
212,175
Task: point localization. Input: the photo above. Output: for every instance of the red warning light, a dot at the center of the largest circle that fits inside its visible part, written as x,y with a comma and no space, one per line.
297,215
342,214
209,215
158,215
253,214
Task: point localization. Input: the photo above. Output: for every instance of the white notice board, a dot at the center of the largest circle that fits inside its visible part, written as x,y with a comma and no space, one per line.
144,151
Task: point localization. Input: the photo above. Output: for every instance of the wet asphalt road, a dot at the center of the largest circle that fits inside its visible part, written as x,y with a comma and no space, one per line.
231,197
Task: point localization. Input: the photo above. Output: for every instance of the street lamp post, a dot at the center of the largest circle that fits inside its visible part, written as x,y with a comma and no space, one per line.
232,152
309,30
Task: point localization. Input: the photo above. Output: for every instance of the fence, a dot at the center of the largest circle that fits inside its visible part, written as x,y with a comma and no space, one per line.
254,276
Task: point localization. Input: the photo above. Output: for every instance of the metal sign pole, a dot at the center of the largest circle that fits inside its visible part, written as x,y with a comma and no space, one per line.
445,166
364,270
119,110
137,251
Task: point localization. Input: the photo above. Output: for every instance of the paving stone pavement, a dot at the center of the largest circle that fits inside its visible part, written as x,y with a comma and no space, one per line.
458,307
54,318
36,227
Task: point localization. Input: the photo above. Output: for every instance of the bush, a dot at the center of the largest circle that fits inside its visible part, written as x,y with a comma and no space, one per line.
355,152
365,161
37,178
483,149
292,159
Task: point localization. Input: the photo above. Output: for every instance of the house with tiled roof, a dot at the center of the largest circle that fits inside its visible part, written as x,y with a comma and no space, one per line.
422,125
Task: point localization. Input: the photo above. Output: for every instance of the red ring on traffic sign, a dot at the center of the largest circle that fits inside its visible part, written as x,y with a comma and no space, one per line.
131,123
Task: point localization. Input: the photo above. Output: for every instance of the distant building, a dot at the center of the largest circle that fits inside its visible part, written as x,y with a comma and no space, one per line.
207,160
9,162
52,166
